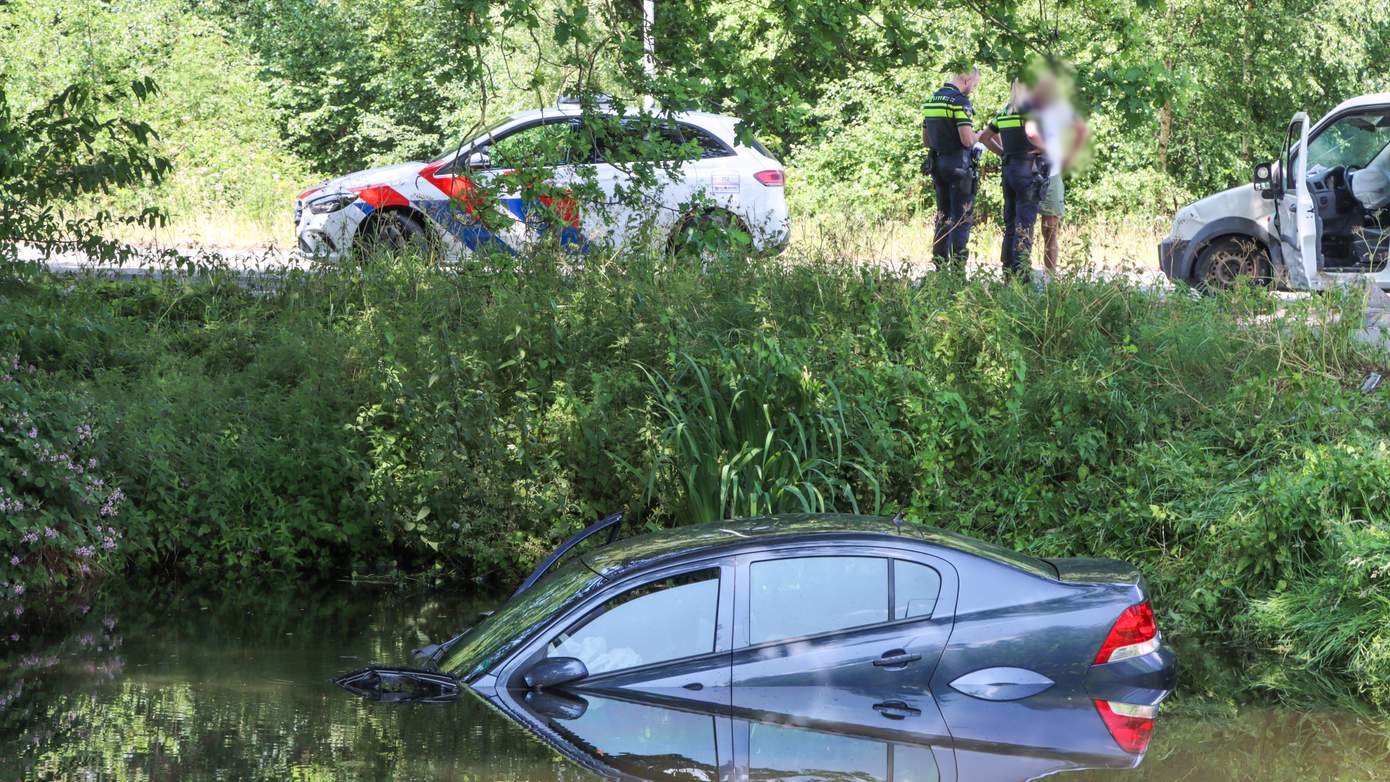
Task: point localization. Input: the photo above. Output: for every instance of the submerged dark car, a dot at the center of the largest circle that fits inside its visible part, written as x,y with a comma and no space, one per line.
908,636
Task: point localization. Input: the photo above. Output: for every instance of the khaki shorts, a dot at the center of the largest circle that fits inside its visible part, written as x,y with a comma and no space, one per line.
1051,204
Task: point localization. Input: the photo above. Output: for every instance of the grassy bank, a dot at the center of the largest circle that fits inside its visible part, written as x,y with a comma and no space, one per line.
399,420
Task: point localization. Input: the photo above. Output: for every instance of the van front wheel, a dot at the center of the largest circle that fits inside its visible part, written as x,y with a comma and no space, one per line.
1230,258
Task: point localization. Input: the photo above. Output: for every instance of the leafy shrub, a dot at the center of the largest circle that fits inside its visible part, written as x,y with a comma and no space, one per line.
72,146
58,515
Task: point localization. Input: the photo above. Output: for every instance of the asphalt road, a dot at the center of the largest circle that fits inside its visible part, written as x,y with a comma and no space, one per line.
157,262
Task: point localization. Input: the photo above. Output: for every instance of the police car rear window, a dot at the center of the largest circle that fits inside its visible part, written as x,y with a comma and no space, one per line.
762,150
710,147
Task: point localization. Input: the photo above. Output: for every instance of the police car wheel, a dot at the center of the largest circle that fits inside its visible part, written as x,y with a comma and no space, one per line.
392,232
707,238
1225,261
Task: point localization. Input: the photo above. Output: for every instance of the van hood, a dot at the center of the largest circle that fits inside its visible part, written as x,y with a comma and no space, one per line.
1243,201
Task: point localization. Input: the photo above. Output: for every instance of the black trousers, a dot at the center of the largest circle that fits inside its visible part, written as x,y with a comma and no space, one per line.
954,183
1025,181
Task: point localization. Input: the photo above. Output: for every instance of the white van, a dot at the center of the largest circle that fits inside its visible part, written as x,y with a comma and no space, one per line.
1308,221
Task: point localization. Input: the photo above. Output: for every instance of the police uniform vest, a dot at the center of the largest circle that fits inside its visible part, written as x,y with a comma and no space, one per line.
1013,136
943,113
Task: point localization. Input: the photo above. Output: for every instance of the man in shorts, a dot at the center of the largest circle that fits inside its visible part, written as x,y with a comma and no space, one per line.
1064,134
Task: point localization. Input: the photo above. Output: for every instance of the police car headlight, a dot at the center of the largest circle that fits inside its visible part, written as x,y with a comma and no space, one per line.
331,203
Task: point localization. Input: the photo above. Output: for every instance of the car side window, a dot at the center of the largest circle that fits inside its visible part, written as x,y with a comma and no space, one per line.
809,595
537,146
634,140
915,589
710,147
658,621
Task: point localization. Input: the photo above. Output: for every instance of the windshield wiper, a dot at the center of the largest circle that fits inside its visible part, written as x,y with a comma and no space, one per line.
400,685
612,523
432,654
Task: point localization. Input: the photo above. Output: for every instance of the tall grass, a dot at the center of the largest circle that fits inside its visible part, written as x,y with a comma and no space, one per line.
741,446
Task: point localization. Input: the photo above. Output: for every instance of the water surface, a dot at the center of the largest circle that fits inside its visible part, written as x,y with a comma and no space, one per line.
194,685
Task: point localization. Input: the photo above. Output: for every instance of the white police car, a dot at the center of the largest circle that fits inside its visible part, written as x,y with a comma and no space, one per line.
473,199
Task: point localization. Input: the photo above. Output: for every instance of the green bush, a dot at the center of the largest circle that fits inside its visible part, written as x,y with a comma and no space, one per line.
399,419
59,518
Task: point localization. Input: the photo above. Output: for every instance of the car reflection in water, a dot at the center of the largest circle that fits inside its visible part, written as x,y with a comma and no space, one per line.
622,738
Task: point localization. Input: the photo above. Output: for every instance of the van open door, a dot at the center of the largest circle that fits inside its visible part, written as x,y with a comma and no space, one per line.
1295,213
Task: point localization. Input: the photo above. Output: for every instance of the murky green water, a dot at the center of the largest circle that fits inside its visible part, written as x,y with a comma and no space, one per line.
160,685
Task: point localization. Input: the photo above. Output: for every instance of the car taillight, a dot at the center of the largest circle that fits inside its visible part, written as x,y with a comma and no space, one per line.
1134,634
1131,726
773,177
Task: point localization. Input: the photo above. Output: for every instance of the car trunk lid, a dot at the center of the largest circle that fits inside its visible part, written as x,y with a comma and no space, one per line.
1083,570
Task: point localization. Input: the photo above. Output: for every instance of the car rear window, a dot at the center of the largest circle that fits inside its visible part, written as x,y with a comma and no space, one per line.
762,150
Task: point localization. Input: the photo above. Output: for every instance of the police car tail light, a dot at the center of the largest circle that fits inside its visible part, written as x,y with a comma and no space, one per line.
773,177
1134,634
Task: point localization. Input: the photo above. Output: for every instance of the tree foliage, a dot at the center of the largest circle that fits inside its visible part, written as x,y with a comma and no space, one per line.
73,145
1184,94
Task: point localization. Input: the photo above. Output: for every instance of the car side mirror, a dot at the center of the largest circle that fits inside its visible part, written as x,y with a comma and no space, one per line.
554,672
556,705
478,160
1266,179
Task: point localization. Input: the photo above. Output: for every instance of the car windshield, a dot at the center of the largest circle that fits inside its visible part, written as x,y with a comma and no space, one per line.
492,129
496,636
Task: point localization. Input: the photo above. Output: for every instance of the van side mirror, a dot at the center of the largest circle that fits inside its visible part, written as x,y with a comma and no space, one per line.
1266,179
554,672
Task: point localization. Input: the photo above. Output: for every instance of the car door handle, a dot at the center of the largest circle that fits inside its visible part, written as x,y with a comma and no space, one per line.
897,658
896,710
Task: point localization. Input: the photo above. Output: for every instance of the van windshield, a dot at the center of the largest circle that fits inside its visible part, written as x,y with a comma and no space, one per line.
1353,139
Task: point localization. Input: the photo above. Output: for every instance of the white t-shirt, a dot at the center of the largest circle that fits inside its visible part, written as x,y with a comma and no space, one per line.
1055,121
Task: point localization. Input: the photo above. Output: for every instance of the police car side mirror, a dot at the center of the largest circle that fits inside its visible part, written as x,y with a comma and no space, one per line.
479,161
1265,179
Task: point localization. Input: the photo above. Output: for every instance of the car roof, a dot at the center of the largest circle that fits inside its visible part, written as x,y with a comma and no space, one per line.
574,110
1362,101
696,540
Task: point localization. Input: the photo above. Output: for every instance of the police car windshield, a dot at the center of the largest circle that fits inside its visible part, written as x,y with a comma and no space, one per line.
462,145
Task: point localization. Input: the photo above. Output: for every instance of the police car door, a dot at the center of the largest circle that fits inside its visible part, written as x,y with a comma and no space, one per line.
640,177
1296,212
525,179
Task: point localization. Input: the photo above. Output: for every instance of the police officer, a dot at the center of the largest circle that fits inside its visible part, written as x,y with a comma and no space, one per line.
1015,137
949,136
